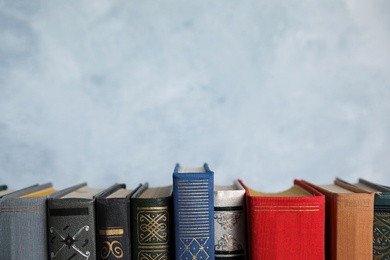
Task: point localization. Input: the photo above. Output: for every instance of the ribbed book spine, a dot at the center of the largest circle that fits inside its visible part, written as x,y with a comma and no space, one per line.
194,215
23,229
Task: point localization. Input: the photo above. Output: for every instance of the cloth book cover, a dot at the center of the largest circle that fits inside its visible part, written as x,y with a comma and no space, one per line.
71,223
152,223
112,215
23,223
230,222
381,228
193,205
3,187
349,221
286,225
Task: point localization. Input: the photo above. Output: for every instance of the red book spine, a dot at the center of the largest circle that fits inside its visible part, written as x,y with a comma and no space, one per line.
286,227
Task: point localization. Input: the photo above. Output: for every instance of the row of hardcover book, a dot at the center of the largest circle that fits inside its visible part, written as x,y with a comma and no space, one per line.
195,219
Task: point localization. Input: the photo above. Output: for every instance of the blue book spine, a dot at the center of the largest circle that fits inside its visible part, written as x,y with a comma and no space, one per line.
193,201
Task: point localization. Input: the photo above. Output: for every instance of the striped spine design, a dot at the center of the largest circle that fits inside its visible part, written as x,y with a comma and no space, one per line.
193,209
194,215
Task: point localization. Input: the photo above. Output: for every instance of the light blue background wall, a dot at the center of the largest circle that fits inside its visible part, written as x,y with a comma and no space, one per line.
265,91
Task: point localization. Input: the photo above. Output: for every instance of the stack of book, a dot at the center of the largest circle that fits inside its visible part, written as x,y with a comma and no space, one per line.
195,219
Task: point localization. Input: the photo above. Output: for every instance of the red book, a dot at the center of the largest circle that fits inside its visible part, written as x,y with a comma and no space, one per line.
286,225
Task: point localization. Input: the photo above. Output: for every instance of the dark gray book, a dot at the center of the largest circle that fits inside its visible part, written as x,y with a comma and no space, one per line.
112,213
71,223
23,223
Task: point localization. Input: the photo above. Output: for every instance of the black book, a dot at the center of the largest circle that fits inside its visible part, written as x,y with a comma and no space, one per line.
112,209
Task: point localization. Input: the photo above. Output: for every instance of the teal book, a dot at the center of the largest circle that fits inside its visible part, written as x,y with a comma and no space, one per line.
381,241
23,223
193,206
3,187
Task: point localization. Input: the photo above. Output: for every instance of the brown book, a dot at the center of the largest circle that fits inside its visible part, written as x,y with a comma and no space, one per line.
349,221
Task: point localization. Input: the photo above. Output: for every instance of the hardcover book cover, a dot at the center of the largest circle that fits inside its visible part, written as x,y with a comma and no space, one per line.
23,223
286,225
381,225
112,215
230,222
3,187
349,221
71,223
151,223
193,205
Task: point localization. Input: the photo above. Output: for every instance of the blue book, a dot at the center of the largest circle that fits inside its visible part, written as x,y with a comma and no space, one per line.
193,204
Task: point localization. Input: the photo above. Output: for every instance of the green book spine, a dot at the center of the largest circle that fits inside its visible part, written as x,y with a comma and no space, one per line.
381,225
151,227
381,245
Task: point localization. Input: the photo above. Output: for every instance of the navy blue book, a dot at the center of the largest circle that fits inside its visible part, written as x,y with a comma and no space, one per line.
193,205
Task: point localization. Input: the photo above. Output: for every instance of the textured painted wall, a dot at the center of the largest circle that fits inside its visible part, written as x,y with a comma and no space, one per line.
267,91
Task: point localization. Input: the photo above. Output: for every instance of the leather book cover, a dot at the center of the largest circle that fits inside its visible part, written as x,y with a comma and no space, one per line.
193,205
71,223
151,223
23,223
286,225
112,215
349,221
230,222
381,225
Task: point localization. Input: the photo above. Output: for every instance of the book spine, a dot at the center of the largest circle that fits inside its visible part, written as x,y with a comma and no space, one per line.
71,229
229,226
353,222
381,227
113,228
151,223
193,198
23,229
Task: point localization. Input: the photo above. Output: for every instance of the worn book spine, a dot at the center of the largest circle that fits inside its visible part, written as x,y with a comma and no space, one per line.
71,224
230,224
349,222
151,227
193,203
113,227
354,217
286,227
23,229
23,225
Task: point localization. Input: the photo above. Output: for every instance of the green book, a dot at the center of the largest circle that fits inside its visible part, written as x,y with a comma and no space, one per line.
151,223
381,241
3,187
